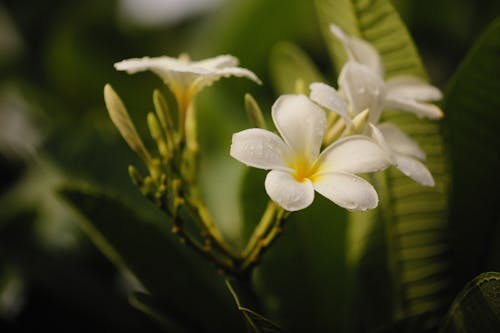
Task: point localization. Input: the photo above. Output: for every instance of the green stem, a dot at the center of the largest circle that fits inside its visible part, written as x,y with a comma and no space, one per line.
264,241
261,228
221,260
201,213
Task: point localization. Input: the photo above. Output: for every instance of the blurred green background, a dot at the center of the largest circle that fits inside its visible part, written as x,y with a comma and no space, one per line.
56,56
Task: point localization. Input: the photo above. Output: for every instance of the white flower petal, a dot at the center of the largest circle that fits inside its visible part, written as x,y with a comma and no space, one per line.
346,190
218,62
287,192
182,74
135,65
360,51
362,89
414,169
378,137
329,98
411,87
399,142
353,154
301,123
238,72
177,74
426,110
206,80
259,148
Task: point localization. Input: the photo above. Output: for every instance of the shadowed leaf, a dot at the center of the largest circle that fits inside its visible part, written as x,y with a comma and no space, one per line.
477,307
472,106
186,286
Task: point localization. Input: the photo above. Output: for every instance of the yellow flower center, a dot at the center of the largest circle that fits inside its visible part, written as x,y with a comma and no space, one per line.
303,169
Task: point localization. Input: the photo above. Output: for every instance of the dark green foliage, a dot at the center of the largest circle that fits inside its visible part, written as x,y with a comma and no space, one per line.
472,107
167,271
477,307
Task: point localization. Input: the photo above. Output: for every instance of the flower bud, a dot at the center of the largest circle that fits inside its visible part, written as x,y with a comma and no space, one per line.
119,115
254,112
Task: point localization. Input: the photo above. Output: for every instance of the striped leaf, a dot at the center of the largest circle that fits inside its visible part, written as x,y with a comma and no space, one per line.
405,241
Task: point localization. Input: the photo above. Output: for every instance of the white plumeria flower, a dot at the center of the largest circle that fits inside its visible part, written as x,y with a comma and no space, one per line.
405,93
362,89
184,77
297,166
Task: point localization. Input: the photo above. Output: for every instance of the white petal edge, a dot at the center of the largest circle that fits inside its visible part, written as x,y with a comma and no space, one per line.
425,110
329,98
362,89
206,80
411,87
347,191
217,62
238,72
414,169
259,148
287,192
359,50
301,123
376,135
135,65
399,142
353,154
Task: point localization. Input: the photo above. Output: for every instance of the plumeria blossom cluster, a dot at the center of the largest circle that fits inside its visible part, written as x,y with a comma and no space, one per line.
297,167
362,87
171,183
324,141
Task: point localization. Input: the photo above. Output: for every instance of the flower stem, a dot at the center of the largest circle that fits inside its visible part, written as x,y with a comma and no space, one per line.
222,262
201,213
266,232
261,228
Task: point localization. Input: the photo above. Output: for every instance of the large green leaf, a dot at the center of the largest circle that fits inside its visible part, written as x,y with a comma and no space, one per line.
472,106
477,307
180,282
407,242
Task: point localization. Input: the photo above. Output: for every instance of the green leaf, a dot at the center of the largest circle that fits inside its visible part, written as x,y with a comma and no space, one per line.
291,67
472,122
256,322
177,279
377,22
477,307
405,246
